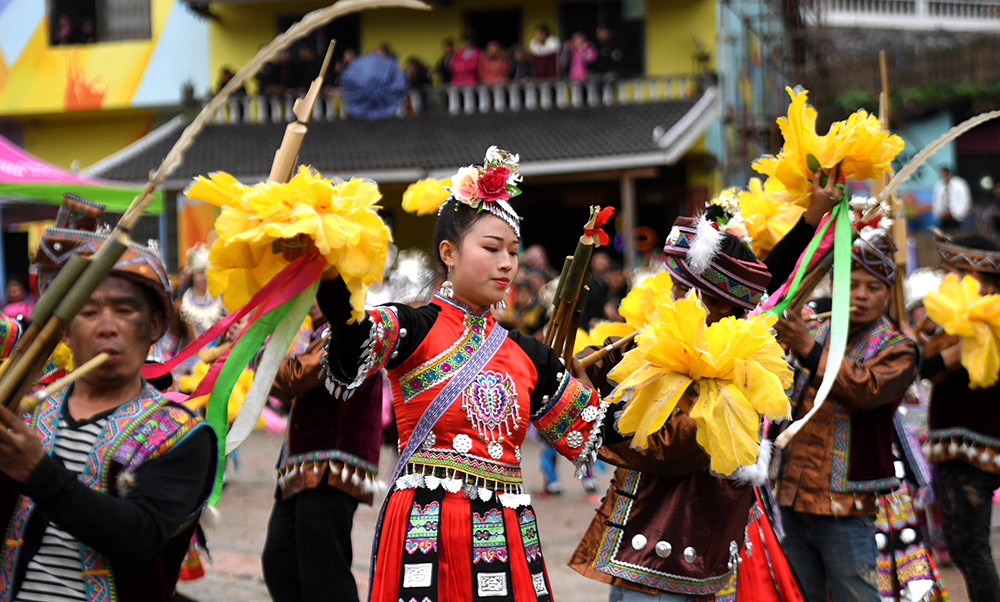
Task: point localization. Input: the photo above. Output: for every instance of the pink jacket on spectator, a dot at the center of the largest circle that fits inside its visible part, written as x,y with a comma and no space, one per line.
463,66
579,59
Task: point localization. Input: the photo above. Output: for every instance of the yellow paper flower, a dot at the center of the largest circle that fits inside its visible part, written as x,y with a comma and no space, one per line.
959,308
859,144
340,219
600,333
769,212
424,197
738,368
639,307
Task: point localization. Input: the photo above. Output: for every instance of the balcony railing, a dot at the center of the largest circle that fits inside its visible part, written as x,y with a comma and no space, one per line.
929,15
477,99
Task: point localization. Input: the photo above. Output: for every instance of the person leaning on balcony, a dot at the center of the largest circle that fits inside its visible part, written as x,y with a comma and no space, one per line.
831,473
544,54
464,63
964,436
493,64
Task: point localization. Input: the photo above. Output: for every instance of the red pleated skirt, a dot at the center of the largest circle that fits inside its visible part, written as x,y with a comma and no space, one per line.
437,546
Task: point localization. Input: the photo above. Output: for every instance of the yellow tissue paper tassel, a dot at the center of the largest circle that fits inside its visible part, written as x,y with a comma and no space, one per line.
738,369
958,307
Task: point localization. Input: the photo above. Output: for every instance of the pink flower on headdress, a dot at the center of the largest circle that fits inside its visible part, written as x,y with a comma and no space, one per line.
493,183
464,184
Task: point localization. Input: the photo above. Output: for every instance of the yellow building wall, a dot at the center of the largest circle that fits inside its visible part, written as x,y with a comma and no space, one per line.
86,141
671,30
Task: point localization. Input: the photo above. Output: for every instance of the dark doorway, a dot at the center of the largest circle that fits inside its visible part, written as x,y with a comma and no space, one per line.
485,26
15,254
628,28
346,30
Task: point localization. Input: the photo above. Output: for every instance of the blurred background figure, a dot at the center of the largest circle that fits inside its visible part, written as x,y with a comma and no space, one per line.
493,64
952,200
544,54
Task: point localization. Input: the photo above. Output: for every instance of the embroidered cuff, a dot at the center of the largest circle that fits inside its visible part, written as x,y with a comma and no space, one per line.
381,343
572,420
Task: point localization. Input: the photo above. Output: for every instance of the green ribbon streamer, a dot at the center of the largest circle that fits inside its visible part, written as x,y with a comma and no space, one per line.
275,351
841,318
243,351
779,308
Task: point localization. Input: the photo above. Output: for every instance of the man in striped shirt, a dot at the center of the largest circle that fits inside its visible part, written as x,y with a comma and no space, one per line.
101,485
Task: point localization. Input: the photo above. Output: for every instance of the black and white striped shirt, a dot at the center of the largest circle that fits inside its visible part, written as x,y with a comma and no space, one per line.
53,574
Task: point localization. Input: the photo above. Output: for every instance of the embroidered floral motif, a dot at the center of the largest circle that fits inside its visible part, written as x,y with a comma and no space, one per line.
422,532
488,541
447,362
529,535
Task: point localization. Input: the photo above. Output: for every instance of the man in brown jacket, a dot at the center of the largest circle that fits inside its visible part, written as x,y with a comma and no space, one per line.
668,528
328,464
830,474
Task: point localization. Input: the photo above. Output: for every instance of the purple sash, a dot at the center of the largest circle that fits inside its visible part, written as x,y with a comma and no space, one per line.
450,393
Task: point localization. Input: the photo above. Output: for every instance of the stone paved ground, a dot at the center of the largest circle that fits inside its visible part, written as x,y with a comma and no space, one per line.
235,575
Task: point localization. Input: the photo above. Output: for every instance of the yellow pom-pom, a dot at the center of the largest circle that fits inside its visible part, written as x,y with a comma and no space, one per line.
424,197
740,375
958,307
858,144
340,219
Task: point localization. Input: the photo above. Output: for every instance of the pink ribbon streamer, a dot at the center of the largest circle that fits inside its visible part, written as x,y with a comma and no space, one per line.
290,281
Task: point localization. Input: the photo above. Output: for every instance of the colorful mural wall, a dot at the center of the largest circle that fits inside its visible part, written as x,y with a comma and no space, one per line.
37,78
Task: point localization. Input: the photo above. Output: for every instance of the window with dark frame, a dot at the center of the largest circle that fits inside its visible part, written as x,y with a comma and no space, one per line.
92,21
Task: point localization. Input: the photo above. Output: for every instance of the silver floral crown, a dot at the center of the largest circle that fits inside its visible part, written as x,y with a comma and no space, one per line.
489,186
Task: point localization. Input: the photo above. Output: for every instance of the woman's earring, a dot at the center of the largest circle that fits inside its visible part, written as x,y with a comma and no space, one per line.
447,290
502,303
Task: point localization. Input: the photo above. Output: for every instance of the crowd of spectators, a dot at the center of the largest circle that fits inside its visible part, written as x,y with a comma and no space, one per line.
545,58
577,59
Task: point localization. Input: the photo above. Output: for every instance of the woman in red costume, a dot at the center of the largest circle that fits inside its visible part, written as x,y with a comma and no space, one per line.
457,525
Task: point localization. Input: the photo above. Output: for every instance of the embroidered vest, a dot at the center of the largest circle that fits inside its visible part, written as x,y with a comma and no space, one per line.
862,456
138,431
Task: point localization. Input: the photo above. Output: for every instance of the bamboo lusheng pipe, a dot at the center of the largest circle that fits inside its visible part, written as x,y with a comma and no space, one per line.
574,324
287,154
571,282
31,402
19,378
558,308
46,305
603,352
824,315
91,277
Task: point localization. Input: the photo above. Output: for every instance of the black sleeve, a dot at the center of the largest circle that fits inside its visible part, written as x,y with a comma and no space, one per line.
348,341
932,366
547,364
811,361
166,491
781,260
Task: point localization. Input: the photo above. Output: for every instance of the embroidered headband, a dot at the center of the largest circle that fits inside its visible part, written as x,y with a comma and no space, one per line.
693,258
967,258
74,234
872,251
490,186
